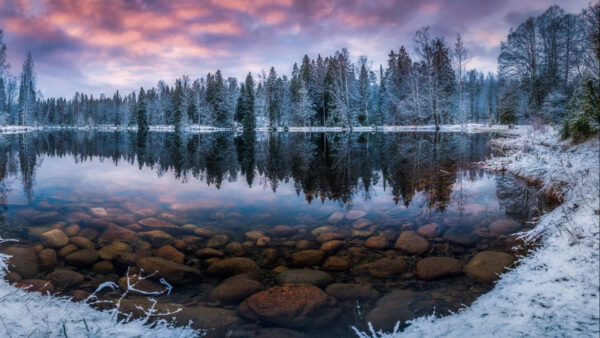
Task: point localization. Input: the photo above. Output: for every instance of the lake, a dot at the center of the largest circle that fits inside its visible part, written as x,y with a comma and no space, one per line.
280,234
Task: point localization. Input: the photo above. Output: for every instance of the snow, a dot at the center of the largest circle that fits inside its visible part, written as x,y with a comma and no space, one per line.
554,290
195,128
32,314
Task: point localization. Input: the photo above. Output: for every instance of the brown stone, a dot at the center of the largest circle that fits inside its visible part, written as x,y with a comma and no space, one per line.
263,241
157,224
217,241
234,266
116,233
22,261
307,257
67,249
72,230
89,233
235,289
305,276
47,259
291,305
504,227
335,263
111,251
328,236
81,242
172,272
63,279
377,242
282,231
170,253
332,246
438,267
103,267
83,257
412,243
209,252
485,266
351,291
430,230
55,239
387,267
235,249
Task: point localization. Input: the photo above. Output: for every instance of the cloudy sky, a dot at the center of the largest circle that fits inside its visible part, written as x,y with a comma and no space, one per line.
98,46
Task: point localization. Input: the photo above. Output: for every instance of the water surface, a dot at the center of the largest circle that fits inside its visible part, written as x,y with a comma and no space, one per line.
225,190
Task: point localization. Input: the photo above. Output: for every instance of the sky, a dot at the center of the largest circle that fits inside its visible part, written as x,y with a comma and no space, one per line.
99,46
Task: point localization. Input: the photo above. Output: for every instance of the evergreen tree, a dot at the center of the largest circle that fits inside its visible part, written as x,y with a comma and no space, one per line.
27,92
142,112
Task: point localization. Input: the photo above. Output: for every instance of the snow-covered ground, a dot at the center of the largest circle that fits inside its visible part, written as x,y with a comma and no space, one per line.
32,314
195,128
553,292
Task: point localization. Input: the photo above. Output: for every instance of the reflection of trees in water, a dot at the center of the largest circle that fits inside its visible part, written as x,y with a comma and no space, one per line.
518,200
333,166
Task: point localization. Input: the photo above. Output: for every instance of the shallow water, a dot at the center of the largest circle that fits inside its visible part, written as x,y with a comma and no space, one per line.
266,197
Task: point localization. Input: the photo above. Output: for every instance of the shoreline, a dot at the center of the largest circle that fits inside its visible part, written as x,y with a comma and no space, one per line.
447,128
554,289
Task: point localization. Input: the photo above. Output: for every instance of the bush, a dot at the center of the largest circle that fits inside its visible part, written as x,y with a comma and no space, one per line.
583,113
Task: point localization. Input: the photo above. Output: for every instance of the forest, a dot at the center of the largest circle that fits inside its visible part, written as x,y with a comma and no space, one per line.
548,71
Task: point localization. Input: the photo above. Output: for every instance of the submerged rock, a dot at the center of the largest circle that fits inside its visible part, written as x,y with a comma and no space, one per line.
84,257
203,317
170,253
331,246
291,305
430,230
47,259
22,261
504,227
392,308
305,276
335,263
112,250
63,279
307,257
412,243
234,266
461,235
335,217
438,267
387,267
355,214
172,272
486,265
55,239
343,291
235,289
155,223
377,243
282,231
217,241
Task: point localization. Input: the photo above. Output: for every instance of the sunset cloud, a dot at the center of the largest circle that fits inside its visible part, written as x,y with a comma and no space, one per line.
99,46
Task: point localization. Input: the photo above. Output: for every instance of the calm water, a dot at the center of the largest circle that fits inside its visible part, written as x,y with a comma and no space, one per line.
265,197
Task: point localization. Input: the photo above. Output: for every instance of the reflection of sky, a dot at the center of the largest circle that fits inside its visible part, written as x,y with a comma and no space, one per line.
98,183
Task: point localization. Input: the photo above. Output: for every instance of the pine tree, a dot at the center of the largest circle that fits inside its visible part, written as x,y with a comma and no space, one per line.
27,92
249,118
177,105
142,112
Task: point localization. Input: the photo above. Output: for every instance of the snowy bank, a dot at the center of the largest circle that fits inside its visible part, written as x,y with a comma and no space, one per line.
554,290
32,314
196,128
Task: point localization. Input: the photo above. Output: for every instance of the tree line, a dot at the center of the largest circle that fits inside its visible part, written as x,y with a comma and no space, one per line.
547,70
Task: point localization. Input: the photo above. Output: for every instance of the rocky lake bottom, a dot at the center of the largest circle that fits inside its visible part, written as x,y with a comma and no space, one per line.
278,235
